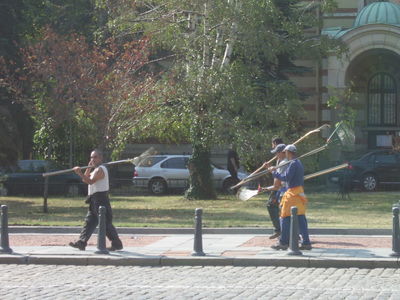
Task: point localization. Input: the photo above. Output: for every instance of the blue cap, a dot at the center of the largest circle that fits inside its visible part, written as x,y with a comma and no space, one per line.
278,148
291,148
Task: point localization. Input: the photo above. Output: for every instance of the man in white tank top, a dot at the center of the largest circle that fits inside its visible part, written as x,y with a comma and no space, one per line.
97,178
277,189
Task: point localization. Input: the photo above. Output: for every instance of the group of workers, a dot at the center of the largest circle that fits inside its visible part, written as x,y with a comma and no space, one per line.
287,191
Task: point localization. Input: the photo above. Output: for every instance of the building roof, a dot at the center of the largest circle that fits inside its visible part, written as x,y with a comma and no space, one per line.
374,13
378,13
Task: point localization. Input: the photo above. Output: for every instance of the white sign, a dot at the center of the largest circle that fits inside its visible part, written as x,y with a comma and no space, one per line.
384,141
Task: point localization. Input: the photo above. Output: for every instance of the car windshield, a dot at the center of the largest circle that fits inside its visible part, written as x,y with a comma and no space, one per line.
217,166
151,161
371,156
368,156
36,166
175,163
386,158
31,166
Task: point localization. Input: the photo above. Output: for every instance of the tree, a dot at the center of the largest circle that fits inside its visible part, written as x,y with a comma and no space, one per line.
22,21
9,147
101,90
229,77
14,121
64,16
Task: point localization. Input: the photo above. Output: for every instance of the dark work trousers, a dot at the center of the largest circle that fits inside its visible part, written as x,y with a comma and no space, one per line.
92,219
234,174
273,210
303,230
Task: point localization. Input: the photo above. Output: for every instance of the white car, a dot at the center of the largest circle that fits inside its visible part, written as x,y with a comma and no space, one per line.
159,173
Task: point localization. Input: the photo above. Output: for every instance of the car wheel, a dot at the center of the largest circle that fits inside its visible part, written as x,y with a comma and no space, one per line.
227,184
158,186
369,182
73,190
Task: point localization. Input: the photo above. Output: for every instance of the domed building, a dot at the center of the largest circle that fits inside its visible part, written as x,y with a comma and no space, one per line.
370,68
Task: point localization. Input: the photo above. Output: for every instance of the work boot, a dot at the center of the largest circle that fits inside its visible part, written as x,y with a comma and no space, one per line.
79,245
275,235
279,246
115,246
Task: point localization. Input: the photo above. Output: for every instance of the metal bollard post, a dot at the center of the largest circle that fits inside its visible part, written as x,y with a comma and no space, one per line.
198,239
395,232
45,195
101,237
5,246
294,233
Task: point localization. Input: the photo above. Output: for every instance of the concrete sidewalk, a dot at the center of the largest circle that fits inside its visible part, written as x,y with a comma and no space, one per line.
167,247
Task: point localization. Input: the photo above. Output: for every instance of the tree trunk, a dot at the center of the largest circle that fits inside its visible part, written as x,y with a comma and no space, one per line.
201,182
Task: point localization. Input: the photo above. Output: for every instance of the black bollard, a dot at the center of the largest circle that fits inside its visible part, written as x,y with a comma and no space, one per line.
101,237
294,233
5,245
395,232
198,239
45,194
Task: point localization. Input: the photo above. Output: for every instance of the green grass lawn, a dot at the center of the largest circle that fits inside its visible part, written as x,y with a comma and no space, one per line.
364,210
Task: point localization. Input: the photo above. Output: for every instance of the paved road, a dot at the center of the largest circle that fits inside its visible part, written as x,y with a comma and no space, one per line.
109,282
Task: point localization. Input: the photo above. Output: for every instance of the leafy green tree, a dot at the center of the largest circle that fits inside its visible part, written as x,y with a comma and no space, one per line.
230,73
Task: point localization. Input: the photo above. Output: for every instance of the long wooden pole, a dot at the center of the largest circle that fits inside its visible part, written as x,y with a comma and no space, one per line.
294,143
47,174
135,161
326,171
245,194
259,174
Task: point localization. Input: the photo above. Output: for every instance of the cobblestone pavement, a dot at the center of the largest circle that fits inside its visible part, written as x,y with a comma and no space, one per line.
109,282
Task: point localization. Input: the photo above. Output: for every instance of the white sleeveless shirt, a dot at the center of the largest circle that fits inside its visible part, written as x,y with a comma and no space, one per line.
282,169
101,185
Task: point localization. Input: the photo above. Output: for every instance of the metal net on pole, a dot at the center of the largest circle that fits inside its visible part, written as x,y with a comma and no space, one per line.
343,136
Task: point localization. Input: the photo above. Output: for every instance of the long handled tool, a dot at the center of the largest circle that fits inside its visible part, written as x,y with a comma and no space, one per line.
136,160
262,173
342,135
319,129
245,194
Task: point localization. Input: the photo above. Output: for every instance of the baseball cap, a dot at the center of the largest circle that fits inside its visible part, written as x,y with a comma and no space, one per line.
291,148
278,148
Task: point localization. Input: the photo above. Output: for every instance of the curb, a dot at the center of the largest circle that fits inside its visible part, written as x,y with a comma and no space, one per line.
255,231
158,261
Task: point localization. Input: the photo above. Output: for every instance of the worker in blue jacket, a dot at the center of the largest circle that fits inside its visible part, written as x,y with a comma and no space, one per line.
294,196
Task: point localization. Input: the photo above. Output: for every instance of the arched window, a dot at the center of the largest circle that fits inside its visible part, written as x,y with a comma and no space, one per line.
382,100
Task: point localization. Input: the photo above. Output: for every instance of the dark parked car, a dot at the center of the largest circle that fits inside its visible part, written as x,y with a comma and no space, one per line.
121,175
371,171
26,178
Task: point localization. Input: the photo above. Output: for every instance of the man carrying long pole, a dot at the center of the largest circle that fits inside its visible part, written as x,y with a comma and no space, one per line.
96,176
260,170
294,196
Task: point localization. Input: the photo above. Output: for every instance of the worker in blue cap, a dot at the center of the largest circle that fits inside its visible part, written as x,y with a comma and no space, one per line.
294,196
